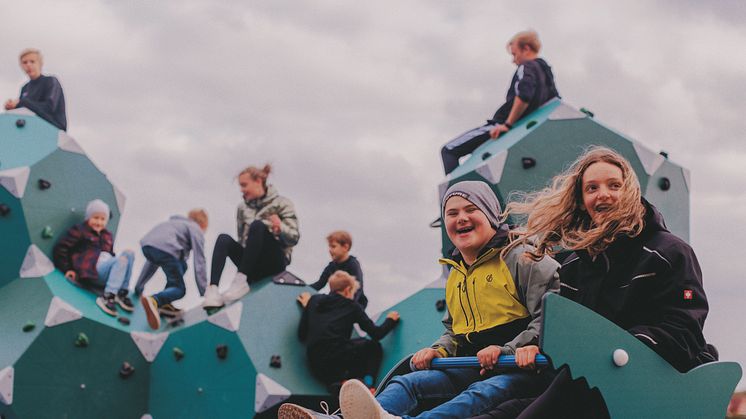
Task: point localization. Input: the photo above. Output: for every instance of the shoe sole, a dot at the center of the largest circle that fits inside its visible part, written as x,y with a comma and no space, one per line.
293,411
357,402
151,312
125,307
100,303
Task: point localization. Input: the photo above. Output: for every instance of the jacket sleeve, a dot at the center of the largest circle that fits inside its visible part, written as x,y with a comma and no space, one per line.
289,233
375,332
534,280
107,244
677,310
528,78
303,325
325,274
448,343
198,246
51,102
63,249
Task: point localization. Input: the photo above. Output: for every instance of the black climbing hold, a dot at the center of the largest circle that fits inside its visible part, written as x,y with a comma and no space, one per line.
440,305
528,162
287,278
82,340
20,123
275,361
587,112
44,184
178,321
4,210
664,154
222,351
29,326
664,183
530,124
125,321
126,370
178,353
486,155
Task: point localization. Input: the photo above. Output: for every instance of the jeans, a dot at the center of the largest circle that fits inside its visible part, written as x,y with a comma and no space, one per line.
463,391
174,270
114,271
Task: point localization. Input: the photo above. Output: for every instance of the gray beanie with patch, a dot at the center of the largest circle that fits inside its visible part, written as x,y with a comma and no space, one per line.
479,194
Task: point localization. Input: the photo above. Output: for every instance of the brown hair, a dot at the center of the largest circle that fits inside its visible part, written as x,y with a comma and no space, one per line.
199,216
527,38
256,173
340,280
340,236
556,217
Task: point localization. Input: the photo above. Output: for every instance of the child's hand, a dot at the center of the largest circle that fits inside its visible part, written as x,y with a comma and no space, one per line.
303,299
275,220
71,275
11,104
525,357
488,358
421,360
393,315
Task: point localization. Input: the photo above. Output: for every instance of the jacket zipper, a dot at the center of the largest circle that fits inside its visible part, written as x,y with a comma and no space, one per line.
466,287
474,287
462,304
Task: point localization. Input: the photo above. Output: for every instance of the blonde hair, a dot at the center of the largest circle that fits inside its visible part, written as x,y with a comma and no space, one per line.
556,217
28,51
529,38
256,173
340,236
340,280
199,216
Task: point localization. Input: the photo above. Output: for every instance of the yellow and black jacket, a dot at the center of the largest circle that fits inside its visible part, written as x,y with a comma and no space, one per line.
495,301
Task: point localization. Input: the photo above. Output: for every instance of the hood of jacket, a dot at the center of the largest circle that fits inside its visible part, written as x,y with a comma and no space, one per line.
264,200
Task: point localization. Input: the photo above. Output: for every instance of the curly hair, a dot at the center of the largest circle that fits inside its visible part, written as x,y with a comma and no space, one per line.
556,217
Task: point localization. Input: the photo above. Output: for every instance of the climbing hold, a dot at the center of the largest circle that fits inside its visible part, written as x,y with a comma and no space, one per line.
486,155
621,357
178,353
44,184
664,183
20,123
47,232
664,154
4,210
587,112
125,321
126,370
530,124
222,351
82,340
199,390
440,305
178,321
82,386
29,326
528,162
275,361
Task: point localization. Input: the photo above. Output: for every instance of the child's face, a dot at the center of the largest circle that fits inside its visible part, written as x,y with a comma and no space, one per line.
602,186
31,65
97,222
467,226
338,252
250,188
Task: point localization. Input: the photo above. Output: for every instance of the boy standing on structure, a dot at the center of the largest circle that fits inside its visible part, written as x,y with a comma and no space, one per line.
340,243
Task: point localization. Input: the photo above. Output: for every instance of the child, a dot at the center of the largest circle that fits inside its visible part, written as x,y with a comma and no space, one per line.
85,254
340,243
267,232
626,266
326,325
168,246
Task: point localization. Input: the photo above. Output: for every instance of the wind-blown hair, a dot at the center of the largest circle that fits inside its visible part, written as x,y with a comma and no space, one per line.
556,217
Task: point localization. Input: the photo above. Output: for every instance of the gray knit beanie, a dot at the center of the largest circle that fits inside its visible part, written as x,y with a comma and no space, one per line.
479,194
95,206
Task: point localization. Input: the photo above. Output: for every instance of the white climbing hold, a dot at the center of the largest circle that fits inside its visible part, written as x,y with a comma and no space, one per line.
146,416
564,111
620,357
121,199
6,386
15,180
492,169
228,318
61,312
268,393
650,160
67,143
149,344
35,263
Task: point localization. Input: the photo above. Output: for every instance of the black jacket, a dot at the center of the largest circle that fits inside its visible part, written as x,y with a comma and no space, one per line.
44,96
326,324
352,267
650,285
533,82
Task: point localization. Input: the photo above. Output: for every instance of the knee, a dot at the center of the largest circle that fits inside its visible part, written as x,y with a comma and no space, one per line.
223,238
257,225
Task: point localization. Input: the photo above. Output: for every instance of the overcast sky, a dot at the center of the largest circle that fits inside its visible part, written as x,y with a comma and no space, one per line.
351,101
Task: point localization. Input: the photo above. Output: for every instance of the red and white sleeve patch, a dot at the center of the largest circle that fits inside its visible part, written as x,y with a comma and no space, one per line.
688,294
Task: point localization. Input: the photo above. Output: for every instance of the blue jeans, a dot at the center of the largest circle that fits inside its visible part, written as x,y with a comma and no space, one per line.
115,271
174,270
465,393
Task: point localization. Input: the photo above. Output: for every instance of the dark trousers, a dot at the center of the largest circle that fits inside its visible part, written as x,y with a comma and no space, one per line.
174,270
462,145
263,255
356,359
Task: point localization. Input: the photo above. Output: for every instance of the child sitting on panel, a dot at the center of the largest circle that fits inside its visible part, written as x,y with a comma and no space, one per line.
340,243
326,325
86,255
168,246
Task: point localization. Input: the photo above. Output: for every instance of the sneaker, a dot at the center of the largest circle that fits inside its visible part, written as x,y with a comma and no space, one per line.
357,402
294,411
124,301
168,310
212,298
151,312
238,289
107,304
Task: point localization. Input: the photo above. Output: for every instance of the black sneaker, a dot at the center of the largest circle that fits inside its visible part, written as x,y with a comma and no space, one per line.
107,304
124,301
168,310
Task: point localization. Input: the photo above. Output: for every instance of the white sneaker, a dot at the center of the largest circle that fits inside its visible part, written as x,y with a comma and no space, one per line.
357,402
212,298
238,289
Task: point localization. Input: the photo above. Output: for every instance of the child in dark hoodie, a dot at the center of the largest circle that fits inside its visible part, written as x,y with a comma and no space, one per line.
326,325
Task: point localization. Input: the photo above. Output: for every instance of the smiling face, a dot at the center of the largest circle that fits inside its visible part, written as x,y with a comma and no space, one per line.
467,227
97,222
601,188
251,188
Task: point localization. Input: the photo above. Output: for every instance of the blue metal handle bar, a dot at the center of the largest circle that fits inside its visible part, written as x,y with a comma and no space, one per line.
505,361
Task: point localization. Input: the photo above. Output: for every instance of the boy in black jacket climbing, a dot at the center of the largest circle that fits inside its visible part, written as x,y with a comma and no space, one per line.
326,325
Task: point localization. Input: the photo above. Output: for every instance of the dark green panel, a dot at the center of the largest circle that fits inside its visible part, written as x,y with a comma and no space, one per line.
14,240
25,146
23,301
